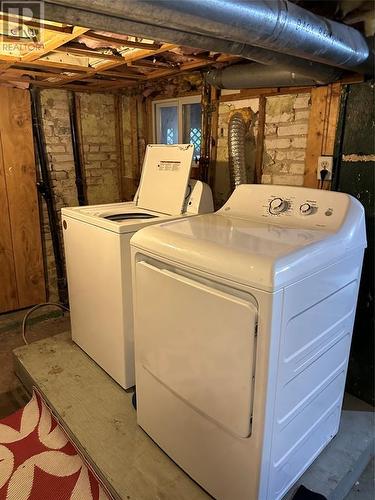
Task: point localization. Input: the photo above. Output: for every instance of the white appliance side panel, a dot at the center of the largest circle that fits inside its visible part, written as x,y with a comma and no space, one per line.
204,358
315,342
93,261
164,179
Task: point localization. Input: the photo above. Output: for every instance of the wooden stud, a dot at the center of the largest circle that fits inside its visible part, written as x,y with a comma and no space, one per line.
332,117
142,129
120,145
260,140
134,139
215,95
149,121
325,102
315,135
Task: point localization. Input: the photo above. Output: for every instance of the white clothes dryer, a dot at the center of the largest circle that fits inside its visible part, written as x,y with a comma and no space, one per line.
242,350
97,253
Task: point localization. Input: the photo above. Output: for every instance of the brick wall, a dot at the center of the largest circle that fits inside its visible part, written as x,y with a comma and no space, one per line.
99,146
55,113
101,165
285,138
222,188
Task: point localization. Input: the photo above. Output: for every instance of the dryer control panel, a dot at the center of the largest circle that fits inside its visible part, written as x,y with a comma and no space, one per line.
288,205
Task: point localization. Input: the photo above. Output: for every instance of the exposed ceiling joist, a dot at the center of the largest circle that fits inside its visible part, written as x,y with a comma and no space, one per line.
36,24
54,43
81,64
122,43
190,66
78,51
52,65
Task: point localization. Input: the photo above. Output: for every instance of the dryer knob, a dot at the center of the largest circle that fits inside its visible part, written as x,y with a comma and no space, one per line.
306,209
277,206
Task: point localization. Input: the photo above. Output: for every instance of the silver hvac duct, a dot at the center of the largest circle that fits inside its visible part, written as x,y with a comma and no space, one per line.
321,73
253,76
276,25
236,150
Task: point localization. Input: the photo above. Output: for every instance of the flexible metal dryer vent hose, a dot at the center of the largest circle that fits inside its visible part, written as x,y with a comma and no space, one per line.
236,149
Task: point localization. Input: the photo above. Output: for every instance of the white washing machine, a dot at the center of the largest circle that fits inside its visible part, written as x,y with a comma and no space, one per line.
242,350
97,253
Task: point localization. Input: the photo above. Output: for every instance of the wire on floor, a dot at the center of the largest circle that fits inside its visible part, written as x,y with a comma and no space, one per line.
30,311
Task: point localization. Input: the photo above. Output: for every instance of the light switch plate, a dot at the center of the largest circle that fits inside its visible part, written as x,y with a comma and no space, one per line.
325,163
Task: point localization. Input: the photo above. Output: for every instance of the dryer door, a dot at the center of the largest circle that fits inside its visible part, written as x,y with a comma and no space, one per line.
199,342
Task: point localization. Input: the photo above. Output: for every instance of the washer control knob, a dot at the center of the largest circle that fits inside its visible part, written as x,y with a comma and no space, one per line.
306,209
278,205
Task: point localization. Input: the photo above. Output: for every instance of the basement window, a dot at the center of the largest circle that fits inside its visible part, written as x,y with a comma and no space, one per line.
179,121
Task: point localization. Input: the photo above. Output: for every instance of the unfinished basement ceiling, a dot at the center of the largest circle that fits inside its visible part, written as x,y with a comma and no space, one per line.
51,54
59,54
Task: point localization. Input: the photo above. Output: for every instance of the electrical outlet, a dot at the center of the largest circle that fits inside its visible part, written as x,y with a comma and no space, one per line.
325,163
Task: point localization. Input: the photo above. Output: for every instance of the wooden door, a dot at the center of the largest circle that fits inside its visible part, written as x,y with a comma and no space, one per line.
21,260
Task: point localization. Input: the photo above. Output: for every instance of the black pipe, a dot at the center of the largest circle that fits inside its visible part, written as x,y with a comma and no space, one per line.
339,139
44,187
204,158
78,166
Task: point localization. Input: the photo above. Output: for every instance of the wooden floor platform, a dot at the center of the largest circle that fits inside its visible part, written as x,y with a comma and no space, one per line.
99,417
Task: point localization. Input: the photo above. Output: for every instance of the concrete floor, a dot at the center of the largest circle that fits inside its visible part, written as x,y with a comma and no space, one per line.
364,488
48,322
43,323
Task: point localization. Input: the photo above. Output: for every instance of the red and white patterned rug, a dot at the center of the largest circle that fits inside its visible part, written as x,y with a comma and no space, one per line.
38,462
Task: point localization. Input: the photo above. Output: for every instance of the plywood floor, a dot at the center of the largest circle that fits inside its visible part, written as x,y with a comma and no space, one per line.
42,324
100,417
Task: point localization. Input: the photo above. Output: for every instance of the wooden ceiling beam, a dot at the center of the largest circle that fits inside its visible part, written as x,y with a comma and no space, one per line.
17,71
9,59
122,43
121,75
145,63
111,64
137,55
54,43
103,82
36,24
88,53
53,65
190,66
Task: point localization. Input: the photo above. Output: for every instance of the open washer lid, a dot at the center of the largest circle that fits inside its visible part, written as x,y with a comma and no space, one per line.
165,175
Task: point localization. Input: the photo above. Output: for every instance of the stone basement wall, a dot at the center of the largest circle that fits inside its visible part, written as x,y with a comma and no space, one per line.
100,160
99,147
285,140
222,188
